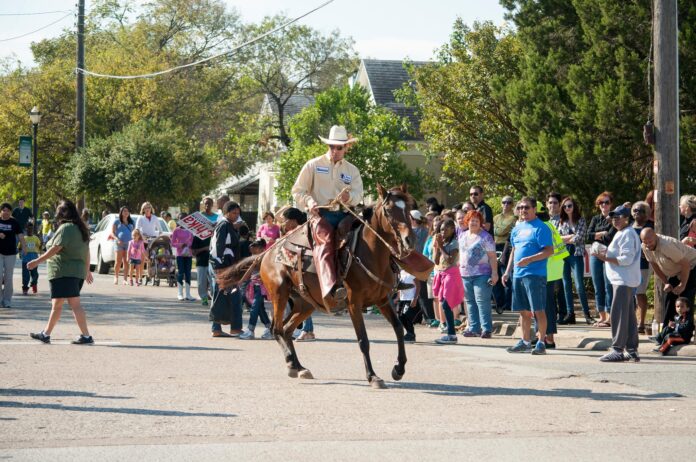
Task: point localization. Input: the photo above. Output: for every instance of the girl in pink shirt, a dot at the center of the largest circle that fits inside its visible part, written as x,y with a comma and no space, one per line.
181,241
268,231
136,255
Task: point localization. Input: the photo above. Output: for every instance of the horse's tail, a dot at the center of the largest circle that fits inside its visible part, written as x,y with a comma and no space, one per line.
233,275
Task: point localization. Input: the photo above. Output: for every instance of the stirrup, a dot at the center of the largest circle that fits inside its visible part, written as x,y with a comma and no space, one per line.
340,294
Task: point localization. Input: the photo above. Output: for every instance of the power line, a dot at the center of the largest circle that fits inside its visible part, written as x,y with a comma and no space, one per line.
210,58
37,30
35,14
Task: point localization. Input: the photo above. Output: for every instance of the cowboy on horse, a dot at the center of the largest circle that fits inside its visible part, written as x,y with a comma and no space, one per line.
320,182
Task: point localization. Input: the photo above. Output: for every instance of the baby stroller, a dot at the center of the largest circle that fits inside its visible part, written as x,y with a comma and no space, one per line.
160,264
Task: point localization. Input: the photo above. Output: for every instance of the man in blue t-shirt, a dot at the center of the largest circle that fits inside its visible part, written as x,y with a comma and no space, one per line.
532,245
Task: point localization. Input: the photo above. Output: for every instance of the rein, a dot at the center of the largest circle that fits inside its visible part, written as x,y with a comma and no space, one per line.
337,200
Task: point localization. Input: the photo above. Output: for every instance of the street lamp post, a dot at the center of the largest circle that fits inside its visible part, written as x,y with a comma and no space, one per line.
35,116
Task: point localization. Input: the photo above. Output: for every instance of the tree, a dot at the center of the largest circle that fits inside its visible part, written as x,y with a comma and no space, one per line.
463,109
295,60
582,96
376,154
148,160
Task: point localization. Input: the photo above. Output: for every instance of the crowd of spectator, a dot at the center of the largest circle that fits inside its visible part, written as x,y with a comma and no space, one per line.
530,258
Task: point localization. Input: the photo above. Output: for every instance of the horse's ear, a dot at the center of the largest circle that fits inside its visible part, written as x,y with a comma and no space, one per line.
404,188
381,191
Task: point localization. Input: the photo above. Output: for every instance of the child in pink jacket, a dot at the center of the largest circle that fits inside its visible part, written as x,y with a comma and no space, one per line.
181,241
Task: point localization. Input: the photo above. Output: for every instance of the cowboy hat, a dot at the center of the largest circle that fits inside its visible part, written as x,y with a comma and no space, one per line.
337,136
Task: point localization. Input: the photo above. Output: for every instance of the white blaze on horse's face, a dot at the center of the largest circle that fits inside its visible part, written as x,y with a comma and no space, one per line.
401,204
404,229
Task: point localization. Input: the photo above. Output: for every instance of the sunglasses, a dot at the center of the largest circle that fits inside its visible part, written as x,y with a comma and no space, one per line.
567,206
523,207
603,202
507,202
474,194
337,148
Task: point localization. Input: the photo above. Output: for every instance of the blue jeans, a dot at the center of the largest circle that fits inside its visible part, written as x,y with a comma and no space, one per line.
183,270
258,310
203,279
333,217
478,300
575,266
29,274
449,316
602,286
308,325
236,303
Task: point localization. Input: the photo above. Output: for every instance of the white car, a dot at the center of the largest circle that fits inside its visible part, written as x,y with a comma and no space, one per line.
101,247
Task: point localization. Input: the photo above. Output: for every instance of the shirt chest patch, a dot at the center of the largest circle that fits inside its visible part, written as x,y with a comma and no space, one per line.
347,179
323,170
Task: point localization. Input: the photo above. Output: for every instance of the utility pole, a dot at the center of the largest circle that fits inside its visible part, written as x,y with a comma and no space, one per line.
666,163
80,103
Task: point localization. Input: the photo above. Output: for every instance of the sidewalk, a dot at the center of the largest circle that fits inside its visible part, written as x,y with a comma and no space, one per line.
582,336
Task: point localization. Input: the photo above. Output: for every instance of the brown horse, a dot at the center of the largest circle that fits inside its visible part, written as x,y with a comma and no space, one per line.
390,220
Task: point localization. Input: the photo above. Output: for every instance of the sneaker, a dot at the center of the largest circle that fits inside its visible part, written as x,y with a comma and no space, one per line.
180,297
235,332
33,288
41,337
486,334
443,327
632,356
435,323
457,323
189,299
470,333
446,340
132,283
520,347
204,301
25,291
306,337
125,283
539,349
613,357
550,346
410,338
267,334
83,340
296,333
247,335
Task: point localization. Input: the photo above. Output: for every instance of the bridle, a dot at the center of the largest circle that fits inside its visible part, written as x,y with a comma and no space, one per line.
393,222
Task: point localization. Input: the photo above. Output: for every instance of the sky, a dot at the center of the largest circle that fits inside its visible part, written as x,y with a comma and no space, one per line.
382,29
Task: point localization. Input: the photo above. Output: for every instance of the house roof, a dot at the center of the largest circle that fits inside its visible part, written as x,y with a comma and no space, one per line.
386,76
294,105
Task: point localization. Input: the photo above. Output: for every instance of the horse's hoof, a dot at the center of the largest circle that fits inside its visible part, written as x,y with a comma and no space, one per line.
377,383
292,373
395,375
306,374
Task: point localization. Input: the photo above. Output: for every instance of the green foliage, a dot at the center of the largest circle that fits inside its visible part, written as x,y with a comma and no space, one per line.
582,97
202,103
376,154
463,108
295,60
148,160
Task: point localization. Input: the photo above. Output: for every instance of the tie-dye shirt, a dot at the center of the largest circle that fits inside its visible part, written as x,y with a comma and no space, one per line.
473,253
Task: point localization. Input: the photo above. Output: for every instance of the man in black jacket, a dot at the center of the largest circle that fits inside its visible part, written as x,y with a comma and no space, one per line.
224,252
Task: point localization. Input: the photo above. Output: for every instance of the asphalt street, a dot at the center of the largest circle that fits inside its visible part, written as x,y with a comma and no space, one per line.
156,386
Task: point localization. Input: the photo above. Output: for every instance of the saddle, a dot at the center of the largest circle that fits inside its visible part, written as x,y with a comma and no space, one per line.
296,252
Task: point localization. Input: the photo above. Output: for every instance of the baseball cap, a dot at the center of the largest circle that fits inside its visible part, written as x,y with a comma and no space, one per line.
620,211
416,215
